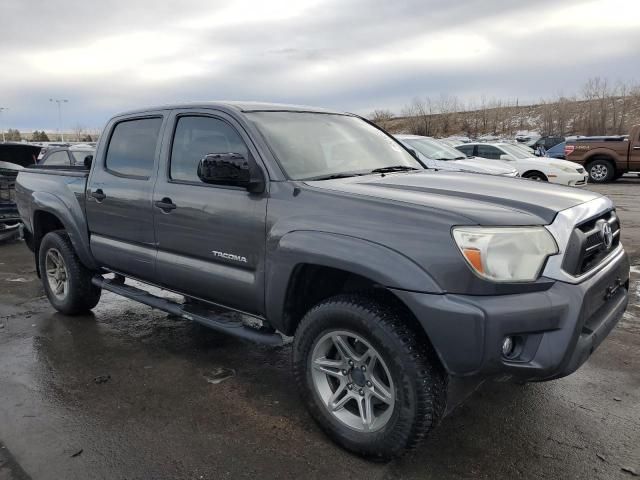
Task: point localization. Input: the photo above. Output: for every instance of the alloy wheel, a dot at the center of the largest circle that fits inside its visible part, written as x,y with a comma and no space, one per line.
353,381
56,272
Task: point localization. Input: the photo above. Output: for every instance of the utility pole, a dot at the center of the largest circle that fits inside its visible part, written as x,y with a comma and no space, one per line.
59,101
2,109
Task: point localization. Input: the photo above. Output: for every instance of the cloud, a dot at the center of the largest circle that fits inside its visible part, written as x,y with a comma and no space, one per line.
351,55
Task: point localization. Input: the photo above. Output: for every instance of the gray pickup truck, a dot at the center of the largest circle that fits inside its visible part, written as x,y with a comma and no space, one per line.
392,278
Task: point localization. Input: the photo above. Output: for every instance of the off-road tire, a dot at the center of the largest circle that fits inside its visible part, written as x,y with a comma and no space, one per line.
82,295
418,378
600,165
535,175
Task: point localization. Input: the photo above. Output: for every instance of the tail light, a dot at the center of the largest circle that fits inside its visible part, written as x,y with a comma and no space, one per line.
568,150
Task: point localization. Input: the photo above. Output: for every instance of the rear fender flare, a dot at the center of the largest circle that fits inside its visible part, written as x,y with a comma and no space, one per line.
73,220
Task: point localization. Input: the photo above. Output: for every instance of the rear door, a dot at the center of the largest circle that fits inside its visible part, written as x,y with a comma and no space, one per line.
211,238
118,207
634,151
489,151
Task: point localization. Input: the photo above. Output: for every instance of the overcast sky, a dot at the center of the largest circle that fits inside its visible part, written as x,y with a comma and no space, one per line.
114,55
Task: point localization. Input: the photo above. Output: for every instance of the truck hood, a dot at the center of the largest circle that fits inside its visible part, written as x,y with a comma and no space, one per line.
484,200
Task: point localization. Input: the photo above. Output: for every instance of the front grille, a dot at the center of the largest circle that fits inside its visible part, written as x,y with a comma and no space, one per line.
587,246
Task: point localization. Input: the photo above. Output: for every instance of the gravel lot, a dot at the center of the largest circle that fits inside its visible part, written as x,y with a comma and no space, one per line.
132,393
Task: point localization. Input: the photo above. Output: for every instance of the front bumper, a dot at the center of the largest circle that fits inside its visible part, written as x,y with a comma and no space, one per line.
556,330
570,179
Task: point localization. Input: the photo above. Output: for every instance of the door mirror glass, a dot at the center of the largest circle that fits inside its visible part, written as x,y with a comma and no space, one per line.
229,169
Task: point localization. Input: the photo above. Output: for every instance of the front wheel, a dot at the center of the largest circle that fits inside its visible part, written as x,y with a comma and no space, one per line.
371,382
66,281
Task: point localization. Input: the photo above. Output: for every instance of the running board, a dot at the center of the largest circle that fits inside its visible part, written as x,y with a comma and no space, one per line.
215,322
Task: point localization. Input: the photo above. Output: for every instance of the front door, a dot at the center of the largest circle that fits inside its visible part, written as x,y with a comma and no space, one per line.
211,238
118,207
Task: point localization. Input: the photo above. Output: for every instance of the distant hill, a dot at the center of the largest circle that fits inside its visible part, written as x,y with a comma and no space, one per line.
599,111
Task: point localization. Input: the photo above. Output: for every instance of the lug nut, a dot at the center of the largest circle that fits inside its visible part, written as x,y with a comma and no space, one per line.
361,392
363,368
351,363
350,386
369,383
344,372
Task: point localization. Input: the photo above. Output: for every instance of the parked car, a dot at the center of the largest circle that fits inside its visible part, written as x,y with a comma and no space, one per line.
14,156
606,158
391,278
436,154
67,156
547,142
556,151
534,168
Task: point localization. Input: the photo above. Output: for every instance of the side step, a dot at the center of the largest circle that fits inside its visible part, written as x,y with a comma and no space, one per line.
203,317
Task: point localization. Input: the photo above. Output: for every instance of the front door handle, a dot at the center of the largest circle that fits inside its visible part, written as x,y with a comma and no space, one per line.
98,195
166,204
637,147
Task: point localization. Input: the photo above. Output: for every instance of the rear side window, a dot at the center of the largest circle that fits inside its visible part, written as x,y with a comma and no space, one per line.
466,149
57,158
195,137
488,151
132,148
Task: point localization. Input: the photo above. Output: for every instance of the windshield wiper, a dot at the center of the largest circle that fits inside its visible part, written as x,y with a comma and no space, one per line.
394,168
333,176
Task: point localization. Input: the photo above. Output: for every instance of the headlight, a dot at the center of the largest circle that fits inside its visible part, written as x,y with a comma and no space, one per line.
566,169
505,254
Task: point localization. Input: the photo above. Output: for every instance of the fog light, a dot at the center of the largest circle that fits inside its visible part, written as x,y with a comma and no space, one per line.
508,346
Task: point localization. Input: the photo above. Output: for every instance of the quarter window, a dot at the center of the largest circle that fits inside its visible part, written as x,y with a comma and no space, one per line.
132,148
194,138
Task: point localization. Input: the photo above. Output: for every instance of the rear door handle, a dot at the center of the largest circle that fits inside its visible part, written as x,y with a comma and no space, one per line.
98,195
165,205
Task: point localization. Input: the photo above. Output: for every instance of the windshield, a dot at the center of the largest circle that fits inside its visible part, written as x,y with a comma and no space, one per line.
515,152
434,149
315,145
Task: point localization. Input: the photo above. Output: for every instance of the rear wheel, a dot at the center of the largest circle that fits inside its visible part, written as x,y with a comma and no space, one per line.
535,175
66,281
601,171
372,383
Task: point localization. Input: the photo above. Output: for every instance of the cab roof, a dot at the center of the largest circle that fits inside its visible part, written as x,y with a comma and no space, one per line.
238,106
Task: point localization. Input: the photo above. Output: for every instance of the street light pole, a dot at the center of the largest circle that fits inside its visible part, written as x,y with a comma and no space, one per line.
2,109
59,101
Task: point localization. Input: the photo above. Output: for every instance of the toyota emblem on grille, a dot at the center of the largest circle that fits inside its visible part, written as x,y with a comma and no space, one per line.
607,235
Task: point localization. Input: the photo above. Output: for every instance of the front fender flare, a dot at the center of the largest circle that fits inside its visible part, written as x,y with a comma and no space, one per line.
376,262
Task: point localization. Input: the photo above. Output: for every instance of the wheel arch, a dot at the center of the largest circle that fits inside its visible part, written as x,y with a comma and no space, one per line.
308,267
532,171
51,213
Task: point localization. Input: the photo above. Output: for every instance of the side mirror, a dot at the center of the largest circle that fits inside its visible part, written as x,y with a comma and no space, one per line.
230,169
506,157
87,161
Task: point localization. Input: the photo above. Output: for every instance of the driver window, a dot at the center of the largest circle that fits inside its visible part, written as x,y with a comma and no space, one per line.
194,138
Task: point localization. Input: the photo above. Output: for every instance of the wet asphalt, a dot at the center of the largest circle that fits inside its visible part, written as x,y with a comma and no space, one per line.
131,393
